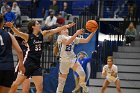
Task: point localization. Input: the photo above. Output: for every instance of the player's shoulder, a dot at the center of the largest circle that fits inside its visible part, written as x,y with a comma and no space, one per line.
86,59
40,35
8,34
105,66
62,36
114,66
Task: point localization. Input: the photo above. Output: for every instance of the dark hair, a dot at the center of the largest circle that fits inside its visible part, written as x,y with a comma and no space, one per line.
30,24
1,19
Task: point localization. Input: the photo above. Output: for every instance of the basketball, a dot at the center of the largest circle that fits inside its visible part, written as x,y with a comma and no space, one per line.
91,25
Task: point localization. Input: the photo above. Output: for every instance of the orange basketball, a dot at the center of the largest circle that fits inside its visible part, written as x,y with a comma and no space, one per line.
91,26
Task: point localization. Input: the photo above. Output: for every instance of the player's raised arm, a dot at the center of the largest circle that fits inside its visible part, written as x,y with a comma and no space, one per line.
92,27
17,32
67,42
58,29
19,53
86,40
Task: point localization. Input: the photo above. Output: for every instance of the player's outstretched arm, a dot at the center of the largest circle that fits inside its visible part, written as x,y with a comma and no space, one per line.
19,53
67,42
86,40
17,32
58,29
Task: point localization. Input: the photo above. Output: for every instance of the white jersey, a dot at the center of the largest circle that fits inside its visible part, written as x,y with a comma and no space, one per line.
66,51
109,71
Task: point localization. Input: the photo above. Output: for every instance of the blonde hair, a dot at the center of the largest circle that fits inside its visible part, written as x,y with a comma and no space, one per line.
131,26
110,57
55,49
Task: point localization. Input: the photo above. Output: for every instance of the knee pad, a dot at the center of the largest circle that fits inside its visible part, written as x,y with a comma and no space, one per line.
80,71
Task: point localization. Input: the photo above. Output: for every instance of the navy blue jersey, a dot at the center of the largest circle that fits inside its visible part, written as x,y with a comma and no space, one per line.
22,45
35,47
6,56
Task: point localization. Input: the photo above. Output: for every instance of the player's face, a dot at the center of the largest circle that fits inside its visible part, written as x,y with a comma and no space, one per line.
109,62
65,32
81,56
37,26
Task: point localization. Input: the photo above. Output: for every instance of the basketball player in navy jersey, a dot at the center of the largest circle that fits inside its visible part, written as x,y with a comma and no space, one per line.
7,41
32,58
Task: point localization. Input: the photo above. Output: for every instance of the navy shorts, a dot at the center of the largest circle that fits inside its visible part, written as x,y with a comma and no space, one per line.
6,78
31,69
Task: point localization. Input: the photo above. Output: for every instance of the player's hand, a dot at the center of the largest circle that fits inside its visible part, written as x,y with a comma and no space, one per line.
21,68
113,74
9,24
104,74
80,31
70,25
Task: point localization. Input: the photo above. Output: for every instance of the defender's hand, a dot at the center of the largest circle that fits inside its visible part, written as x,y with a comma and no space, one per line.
9,24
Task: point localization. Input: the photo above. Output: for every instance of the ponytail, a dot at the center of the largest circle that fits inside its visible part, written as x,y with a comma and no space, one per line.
56,49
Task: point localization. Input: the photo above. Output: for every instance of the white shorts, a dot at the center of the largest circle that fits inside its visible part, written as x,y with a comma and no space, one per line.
111,79
66,64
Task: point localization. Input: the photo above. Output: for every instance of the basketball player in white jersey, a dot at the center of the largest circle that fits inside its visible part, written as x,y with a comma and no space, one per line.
110,72
68,58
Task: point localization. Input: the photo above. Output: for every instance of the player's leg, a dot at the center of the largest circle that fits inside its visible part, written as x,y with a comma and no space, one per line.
6,80
106,83
19,80
78,68
4,89
64,69
117,83
38,81
61,82
77,86
26,86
